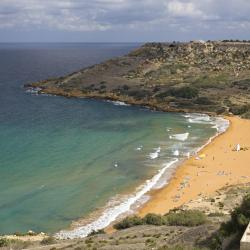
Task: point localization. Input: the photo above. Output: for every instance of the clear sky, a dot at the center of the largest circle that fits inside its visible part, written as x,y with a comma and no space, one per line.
123,20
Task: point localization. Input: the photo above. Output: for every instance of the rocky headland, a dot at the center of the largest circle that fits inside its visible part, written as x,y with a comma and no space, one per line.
210,77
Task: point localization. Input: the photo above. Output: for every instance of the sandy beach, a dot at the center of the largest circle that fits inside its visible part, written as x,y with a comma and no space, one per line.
219,165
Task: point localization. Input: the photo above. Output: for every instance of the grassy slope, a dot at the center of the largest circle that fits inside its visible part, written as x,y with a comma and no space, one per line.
212,77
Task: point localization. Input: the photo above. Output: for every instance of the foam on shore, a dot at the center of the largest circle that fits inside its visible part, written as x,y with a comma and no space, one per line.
115,211
219,123
112,213
179,137
119,103
33,90
176,152
155,154
198,118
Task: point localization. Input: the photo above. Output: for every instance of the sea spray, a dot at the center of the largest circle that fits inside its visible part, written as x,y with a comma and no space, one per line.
155,154
179,137
176,152
119,103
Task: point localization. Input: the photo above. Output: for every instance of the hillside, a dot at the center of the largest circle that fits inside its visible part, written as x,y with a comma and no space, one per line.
211,77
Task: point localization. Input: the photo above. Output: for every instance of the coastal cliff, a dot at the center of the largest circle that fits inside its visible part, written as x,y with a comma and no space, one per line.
210,77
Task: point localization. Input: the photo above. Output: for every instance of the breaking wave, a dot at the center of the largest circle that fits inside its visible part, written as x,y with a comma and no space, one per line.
112,213
179,137
155,154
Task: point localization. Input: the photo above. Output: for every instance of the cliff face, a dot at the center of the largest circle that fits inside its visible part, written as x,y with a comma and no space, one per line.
197,76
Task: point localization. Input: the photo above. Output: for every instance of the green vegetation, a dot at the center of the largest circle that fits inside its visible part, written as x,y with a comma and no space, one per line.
89,241
170,76
239,109
48,240
188,218
178,248
182,92
138,94
203,101
150,242
129,222
125,87
13,244
240,217
154,219
216,214
4,242
236,41
243,84
214,81
100,231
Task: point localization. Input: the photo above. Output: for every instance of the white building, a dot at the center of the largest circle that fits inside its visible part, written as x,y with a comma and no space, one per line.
245,240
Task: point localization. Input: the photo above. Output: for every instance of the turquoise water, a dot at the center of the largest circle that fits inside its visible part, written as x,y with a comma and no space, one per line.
60,159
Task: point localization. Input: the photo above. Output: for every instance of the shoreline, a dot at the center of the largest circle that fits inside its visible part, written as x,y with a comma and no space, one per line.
142,208
202,177
158,196
110,97
133,203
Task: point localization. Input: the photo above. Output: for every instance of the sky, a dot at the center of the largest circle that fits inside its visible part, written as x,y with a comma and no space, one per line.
123,20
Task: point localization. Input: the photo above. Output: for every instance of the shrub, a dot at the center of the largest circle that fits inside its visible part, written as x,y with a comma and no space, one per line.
156,89
48,240
100,231
242,84
177,247
221,205
89,241
129,222
188,218
240,218
103,87
239,110
203,101
216,214
138,94
163,94
4,242
150,242
125,87
174,218
19,234
154,219
183,92
220,110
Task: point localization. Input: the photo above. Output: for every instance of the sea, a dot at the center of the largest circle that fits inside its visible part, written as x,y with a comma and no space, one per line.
86,161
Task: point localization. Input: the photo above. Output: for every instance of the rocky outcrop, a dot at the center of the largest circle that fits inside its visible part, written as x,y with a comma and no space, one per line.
212,77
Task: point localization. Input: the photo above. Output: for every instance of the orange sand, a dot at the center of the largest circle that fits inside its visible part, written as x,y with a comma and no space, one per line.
220,167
